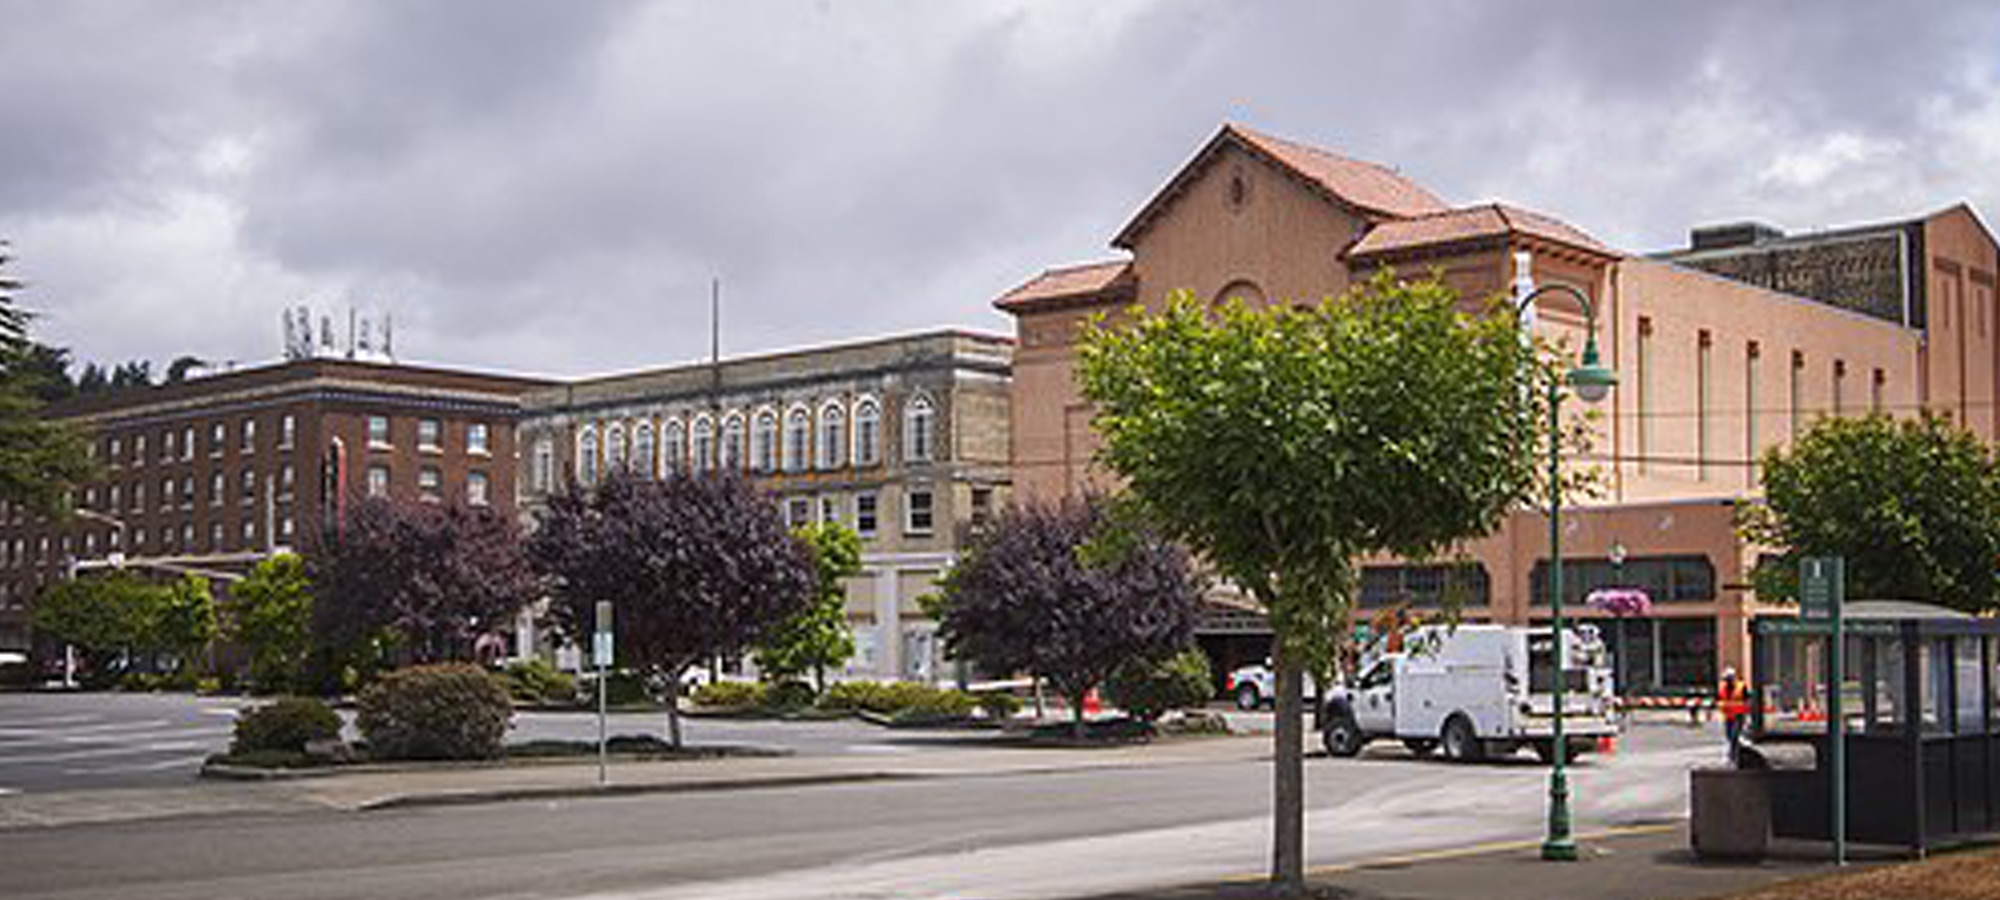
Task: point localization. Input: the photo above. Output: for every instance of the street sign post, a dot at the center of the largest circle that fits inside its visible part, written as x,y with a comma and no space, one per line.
1822,593
601,654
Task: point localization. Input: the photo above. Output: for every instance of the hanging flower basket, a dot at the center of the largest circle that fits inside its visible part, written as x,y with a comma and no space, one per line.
1620,601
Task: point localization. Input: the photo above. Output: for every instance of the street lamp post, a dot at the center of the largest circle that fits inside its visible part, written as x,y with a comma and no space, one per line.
1592,382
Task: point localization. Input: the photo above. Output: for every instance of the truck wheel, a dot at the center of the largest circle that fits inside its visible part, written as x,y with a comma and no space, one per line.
1420,746
1460,743
1247,699
1343,737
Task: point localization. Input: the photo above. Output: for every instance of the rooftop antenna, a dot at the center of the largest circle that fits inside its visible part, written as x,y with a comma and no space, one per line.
388,345
353,322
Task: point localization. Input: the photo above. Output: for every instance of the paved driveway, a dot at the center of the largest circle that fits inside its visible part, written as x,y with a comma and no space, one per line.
69,741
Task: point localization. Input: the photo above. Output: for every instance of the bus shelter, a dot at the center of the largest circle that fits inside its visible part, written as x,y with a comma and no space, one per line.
1918,693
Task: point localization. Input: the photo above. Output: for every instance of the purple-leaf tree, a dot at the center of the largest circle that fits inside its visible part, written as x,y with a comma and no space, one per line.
1068,594
435,576
693,566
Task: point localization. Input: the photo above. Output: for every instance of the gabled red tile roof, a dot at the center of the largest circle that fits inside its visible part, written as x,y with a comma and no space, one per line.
1076,282
1472,223
1369,187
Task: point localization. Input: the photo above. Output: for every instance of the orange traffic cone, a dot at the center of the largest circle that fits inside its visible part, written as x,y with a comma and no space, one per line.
1091,705
1607,745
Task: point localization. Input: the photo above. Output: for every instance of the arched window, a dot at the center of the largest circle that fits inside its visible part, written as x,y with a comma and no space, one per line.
832,436
764,442
704,444
798,439
1241,289
674,447
645,451
543,475
867,432
919,430
616,451
586,456
732,442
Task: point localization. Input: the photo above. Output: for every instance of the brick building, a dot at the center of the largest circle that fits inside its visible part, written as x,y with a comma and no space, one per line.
217,472
903,438
1724,350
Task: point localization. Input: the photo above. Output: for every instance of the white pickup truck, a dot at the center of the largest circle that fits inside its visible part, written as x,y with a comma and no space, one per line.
1476,690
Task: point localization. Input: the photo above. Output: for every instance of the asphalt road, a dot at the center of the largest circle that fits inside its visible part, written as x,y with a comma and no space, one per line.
1044,835
65,742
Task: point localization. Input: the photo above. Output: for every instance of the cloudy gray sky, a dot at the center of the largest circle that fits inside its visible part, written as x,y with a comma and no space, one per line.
548,187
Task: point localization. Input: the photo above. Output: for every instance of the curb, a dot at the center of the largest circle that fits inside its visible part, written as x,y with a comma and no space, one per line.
504,795
228,772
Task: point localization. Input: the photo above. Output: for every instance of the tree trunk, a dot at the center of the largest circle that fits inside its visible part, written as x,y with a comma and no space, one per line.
674,709
1288,789
819,680
1077,728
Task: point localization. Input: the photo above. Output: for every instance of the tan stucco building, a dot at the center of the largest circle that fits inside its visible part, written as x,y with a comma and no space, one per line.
1724,350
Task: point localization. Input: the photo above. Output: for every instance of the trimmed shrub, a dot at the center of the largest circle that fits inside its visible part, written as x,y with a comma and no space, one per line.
626,688
285,725
1149,689
790,695
904,699
451,711
998,705
731,694
536,681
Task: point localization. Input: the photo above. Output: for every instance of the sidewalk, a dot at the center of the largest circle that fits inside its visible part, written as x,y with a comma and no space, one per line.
1650,863
362,790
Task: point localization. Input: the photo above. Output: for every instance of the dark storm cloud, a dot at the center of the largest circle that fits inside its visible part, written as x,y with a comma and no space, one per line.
551,187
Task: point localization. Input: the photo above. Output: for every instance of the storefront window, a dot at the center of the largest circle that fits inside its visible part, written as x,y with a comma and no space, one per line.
1687,652
1887,676
1968,687
1934,683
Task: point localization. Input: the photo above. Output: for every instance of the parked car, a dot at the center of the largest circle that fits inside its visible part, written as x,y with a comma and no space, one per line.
1475,691
1256,685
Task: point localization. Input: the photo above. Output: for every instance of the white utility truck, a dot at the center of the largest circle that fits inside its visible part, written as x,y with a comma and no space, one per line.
1476,690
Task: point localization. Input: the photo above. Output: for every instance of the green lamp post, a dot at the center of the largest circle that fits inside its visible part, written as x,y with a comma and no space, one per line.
1592,383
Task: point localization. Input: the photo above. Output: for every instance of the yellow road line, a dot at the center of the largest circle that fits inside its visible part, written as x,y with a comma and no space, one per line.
1465,851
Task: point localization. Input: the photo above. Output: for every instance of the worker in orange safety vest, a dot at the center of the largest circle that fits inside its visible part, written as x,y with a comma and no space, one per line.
1732,696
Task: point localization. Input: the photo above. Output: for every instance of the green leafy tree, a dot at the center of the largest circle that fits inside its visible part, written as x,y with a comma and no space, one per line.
1913,505
184,620
270,614
40,461
1284,444
107,619
817,637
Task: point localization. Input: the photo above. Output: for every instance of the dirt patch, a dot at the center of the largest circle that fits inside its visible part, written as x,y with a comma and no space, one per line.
1964,875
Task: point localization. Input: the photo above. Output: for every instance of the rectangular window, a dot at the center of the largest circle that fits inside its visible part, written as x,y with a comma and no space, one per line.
249,435
286,480
216,487
378,481
982,505
1752,367
1876,386
1704,376
430,483
829,509
430,435
544,471
187,443
138,450
798,511
1643,401
1839,387
116,452
865,514
477,441
139,539
218,437
167,446
249,492
1797,399
288,431
215,536
919,514
285,529
249,533
187,492
166,493
476,489
378,431
112,498
138,496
